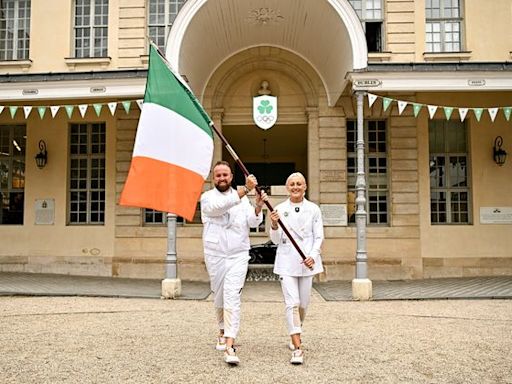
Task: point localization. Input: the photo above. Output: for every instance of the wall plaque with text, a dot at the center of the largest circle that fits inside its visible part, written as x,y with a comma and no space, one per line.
45,211
495,215
334,214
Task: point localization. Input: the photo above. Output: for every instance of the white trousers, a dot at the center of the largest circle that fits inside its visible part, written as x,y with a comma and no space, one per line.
227,278
297,295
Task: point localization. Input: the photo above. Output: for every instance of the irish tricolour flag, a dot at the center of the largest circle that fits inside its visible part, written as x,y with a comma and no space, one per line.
173,147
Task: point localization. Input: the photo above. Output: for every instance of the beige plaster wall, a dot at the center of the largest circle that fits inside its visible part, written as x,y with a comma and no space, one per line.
58,248
476,248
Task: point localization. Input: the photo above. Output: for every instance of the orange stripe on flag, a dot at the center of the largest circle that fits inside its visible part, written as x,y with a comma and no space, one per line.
162,186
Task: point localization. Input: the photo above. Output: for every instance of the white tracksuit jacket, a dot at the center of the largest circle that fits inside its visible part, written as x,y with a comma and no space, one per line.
227,219
307,229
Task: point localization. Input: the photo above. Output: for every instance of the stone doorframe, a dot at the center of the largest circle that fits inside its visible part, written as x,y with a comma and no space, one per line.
284,63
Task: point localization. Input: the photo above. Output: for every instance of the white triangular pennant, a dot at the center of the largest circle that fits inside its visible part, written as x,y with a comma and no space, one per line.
139,103
432,110
493,112
462,113
371,99
82,108
54,109
401,106
1,108
27,110
112,106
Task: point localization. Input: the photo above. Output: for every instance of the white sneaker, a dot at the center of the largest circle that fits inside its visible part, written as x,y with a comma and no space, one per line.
297,357
230,356
221,343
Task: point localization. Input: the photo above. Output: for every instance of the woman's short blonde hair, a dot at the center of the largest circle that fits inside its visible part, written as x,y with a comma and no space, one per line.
296,174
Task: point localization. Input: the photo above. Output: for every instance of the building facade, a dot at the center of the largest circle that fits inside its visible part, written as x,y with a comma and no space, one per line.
432,80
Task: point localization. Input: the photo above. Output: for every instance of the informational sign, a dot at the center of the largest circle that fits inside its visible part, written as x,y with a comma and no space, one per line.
495,215
334,214
367,83
45,211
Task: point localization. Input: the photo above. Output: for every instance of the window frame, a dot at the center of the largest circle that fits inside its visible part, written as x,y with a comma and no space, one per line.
443,20
448,190
11,159
367,158
362,14
91,26
17,53
169,18
89,157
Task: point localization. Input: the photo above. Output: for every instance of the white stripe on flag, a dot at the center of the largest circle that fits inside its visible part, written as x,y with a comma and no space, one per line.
164,135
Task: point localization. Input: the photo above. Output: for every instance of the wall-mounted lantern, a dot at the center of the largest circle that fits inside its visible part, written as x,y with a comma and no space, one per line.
42,156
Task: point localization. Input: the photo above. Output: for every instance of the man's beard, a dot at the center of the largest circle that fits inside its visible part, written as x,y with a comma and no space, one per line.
223,187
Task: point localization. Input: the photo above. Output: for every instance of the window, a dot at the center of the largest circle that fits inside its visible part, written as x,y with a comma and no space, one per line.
91,28
263,225
87,174
449,191
443,25
12,173
161,16
153,217
14,29
376,170
370,14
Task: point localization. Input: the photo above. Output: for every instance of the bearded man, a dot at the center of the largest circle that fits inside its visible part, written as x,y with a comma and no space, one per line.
227,214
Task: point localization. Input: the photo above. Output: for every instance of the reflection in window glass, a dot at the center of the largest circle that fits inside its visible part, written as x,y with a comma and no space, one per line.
376,166
12,173
449,187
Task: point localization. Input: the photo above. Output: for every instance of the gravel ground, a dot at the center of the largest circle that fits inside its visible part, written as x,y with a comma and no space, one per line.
108,340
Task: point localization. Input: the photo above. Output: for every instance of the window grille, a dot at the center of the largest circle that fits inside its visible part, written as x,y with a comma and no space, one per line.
449,187
376,170
14,29
91,28
87,174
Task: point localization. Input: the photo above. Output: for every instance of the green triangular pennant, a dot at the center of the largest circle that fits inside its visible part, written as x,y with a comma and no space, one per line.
69,110
507,111
13,109
126,105
478,113
386,101
416,108
97,108
42,111
448,112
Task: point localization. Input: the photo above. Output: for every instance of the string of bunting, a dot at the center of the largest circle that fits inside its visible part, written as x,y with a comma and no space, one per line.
82,108
432,109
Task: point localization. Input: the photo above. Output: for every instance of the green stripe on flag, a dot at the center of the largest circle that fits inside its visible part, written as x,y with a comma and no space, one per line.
164,89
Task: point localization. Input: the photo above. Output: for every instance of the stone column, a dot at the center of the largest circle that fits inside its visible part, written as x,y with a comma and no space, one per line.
313,155
361,285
